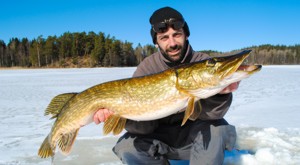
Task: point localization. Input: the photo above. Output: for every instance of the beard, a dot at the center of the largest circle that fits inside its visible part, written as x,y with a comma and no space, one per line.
177,58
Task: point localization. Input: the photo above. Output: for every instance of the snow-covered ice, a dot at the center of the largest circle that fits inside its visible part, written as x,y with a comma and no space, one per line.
265,111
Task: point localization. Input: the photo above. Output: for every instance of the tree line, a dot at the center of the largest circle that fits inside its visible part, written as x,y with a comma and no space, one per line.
267,54
72,50
100,50
275,55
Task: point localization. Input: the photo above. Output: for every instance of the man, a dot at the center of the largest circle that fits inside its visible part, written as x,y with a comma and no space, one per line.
202,141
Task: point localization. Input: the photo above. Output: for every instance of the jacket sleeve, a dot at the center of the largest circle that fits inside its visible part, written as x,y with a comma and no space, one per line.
215,107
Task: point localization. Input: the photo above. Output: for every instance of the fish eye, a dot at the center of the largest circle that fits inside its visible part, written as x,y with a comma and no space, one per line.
219,59
211,62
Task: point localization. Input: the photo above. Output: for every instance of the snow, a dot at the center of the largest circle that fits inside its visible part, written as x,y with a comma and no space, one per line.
265,111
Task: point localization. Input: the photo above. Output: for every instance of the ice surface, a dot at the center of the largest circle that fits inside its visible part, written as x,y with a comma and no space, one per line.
265,111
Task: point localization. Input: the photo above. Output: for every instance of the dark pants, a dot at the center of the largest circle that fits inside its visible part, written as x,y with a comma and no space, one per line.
201,142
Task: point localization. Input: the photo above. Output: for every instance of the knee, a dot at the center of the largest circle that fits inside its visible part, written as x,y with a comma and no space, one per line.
230,137
226,133
138,151
125,151
124,147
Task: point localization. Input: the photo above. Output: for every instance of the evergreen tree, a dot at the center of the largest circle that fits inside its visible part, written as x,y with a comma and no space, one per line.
24,52
89,43
12,49
139,53
65,49
51,50
149,49
128,58
108,52
39,49
3,58
98,52
115,56
33,57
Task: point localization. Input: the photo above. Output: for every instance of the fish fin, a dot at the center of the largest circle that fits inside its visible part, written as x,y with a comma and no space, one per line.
195,115
57,104
110,124
45,149
66,141
120,126
189,110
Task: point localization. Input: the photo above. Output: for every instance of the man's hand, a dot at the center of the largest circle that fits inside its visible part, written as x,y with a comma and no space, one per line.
101,115
230,88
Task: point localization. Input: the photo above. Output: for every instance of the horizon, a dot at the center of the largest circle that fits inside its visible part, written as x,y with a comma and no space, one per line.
224,25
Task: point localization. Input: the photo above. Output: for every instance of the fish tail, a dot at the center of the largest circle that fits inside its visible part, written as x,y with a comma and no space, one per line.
46,150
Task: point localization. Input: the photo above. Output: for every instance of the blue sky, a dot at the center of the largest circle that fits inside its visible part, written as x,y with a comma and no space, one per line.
221,25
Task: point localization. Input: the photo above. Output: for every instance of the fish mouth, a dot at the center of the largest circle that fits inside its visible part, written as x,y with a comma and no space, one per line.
250,69
230,64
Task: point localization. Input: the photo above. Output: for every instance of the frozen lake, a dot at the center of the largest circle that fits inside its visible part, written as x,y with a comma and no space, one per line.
265,111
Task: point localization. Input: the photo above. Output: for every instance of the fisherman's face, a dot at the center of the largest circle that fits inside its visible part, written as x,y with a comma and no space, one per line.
172,43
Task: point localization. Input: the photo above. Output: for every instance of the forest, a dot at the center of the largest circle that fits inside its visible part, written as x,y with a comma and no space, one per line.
72,50
267,54
81,49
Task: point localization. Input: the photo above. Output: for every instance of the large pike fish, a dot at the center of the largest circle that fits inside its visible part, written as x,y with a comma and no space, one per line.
142,98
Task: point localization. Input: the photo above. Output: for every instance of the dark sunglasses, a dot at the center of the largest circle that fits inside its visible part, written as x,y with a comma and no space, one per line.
162,27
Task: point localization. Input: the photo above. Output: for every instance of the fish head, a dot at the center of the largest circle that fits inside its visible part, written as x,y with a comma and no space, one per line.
209,77
226,67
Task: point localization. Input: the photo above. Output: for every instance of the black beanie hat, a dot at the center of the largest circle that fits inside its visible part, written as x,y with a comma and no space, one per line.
166,13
